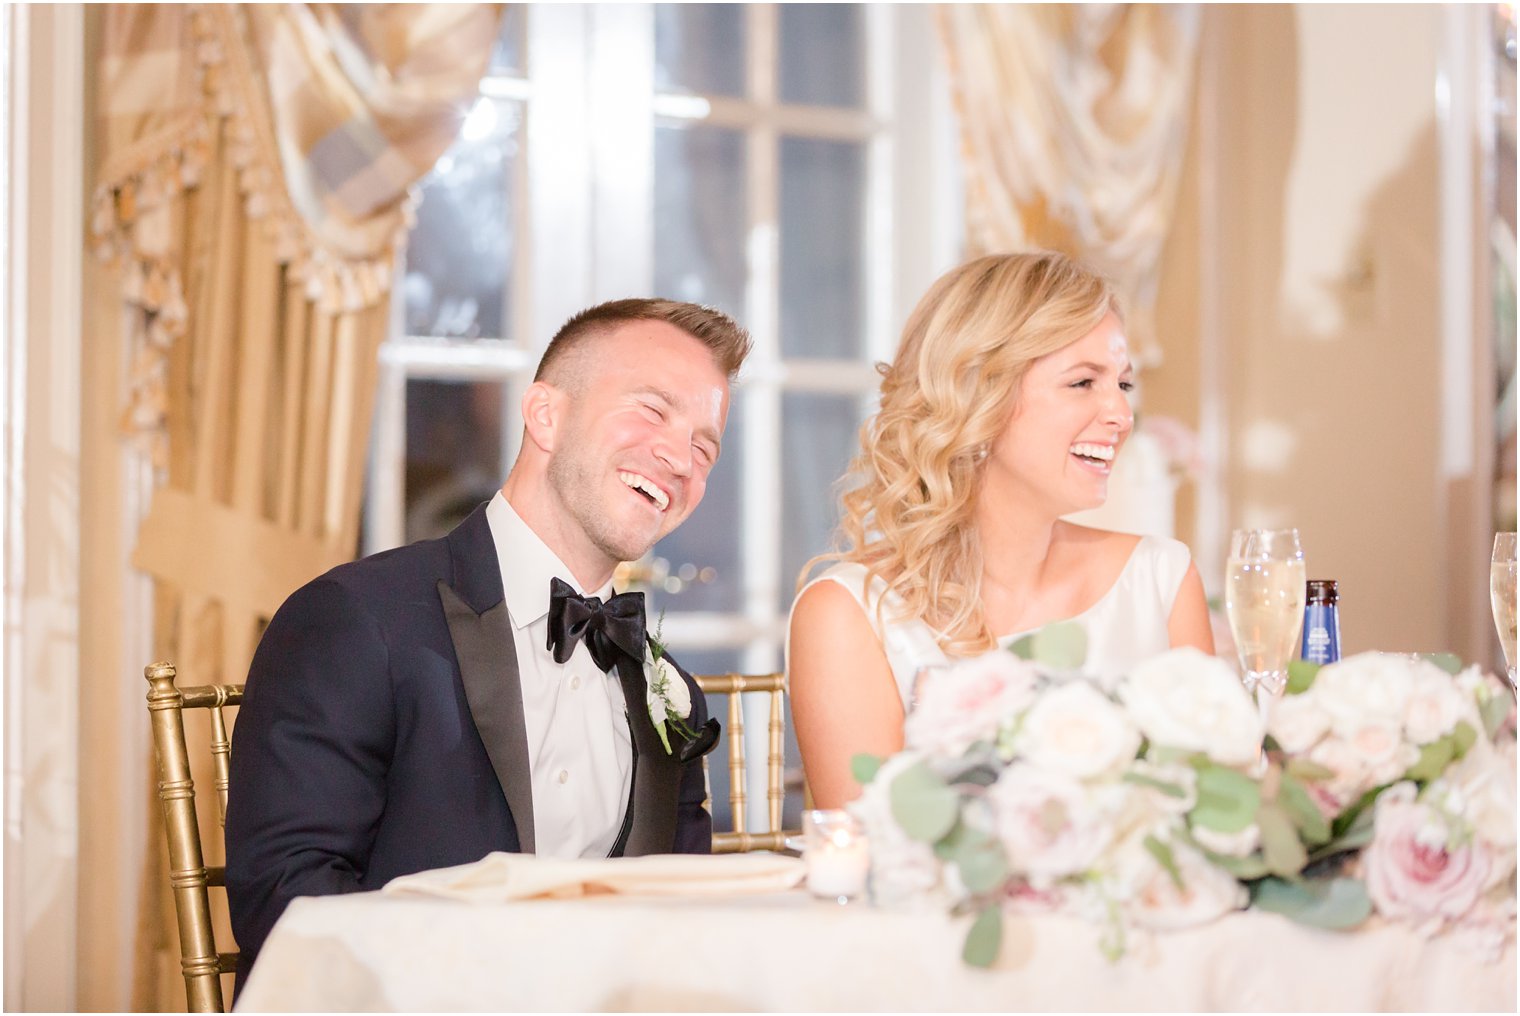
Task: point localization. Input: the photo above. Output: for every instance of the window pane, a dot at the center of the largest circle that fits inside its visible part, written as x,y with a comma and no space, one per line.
459,257
507,57
699,48
823,185
453,452
818,435
699,207
822,54
705,549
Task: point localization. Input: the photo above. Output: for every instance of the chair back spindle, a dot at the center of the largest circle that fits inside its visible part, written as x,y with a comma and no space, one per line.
735,686
189,875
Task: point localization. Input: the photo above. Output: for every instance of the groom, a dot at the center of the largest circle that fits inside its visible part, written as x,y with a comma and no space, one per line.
486,691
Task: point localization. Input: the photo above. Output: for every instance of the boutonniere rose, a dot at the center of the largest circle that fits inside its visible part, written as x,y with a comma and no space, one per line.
666,693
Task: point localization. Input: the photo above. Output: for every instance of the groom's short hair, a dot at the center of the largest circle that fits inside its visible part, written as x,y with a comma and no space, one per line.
724,337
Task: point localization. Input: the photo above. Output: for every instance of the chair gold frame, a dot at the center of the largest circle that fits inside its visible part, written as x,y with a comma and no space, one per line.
189,877
735,686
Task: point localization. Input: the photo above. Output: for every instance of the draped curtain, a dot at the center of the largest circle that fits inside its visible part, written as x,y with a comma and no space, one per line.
253,195
1073,125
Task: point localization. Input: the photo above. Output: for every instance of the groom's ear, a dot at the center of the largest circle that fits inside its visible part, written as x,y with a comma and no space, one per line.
543,410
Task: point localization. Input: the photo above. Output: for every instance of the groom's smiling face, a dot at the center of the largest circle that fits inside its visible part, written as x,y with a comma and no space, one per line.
643,425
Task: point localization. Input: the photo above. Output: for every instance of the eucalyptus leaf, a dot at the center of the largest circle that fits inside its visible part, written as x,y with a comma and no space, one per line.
1306,770
1354,828
1023,647
1227,800
1301,674
1337,904
985,938
1062,644
1434,758
864,767
1281,849
923,805
1495,710
1162,852
1463,737
1169,789
1243,868
1306,816
978,856
1449,662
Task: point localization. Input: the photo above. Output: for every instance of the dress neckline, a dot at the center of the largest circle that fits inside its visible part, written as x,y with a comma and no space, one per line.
1129,562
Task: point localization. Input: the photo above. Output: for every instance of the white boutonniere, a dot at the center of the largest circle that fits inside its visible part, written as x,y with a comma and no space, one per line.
668,697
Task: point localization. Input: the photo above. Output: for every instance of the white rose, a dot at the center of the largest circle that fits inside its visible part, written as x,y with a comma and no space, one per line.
1187,699
1478,793
666,692
1051,825
967,702
1153,900
1435,705
1298,722
1379,743
1076,730
1367,685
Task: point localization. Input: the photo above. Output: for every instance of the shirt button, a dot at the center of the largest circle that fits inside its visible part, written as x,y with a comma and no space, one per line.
564,774
575,683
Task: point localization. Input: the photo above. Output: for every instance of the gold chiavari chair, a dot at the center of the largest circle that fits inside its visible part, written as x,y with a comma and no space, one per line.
735,686
189,876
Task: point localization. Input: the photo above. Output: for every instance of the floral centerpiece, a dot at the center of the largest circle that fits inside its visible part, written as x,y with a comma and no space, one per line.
1380,784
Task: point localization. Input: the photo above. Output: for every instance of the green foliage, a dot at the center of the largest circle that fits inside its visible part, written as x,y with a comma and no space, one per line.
923,804
977,854
985,938
864,768
1463,737
1300,807
1062,645
1169,789
1301,674
1449,662
1495,710
1227,800
1434,757
1162,852
1307,770
1337,904
1281,849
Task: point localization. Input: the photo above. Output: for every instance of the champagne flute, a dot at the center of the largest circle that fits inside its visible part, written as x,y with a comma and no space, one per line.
1264,600
1501,595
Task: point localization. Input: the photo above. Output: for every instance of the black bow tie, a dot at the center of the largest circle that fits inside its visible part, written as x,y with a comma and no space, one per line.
608,629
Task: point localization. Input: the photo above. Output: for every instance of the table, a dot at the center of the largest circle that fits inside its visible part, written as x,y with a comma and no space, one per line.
787,951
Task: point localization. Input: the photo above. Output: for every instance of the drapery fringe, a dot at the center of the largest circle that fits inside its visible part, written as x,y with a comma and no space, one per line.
131,214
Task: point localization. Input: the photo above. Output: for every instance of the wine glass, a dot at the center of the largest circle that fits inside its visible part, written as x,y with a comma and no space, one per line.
1264,600
1501,595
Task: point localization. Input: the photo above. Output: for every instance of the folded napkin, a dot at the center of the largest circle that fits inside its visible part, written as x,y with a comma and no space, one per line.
499,877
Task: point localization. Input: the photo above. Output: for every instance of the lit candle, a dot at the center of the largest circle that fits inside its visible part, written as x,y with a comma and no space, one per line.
838,857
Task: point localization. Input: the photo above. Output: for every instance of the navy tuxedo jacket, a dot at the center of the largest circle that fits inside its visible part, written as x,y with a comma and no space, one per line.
381,733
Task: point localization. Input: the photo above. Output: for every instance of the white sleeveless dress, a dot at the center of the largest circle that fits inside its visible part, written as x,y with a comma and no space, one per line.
1127,625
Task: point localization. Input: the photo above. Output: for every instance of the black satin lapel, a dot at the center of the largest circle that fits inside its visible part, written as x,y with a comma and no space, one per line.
656,774
493,687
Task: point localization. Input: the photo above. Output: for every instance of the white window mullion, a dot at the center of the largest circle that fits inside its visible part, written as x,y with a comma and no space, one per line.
621,136
761,484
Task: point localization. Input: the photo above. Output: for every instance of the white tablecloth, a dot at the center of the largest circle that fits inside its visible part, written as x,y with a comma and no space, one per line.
787,951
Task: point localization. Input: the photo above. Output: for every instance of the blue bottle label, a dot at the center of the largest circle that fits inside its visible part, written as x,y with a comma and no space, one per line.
1322,634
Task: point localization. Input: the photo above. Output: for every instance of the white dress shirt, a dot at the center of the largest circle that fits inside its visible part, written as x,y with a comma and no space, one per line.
578,740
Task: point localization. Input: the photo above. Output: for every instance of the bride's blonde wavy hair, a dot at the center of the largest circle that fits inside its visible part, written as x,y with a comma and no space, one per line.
909,507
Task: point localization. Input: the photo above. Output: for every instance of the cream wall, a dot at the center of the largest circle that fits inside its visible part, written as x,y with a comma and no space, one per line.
1304,296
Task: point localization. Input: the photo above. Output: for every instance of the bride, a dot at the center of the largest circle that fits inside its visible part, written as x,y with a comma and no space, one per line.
1003,411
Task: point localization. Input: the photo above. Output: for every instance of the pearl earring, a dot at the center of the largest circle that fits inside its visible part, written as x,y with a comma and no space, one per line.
981,453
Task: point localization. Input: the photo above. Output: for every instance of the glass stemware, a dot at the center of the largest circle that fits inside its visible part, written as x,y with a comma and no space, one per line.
1264,600
1501,595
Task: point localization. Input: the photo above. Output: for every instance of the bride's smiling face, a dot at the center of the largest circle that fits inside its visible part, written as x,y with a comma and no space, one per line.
1070,419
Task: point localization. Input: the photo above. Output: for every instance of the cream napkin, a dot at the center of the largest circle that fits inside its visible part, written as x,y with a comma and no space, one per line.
499,877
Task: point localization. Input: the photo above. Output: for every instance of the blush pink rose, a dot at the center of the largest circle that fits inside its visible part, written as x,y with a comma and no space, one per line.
1414,868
